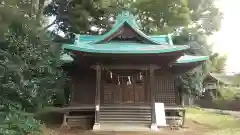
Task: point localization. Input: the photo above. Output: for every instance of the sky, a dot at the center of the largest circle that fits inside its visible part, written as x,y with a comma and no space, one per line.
226,40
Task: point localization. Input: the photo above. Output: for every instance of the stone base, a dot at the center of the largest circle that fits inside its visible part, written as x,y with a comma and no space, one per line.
154,127
96,126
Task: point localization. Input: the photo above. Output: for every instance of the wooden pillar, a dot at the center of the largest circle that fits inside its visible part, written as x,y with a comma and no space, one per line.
97,98
152,90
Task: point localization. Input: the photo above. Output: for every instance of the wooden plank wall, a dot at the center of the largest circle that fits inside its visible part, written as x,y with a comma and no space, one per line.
83,88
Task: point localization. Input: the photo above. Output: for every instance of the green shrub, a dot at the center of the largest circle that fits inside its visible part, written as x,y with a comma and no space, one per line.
18,125
17,122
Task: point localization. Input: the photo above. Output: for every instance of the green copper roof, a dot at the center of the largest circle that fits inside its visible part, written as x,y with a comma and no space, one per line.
190,59
124,48
127,19
182,60
162,39
156,44
66,58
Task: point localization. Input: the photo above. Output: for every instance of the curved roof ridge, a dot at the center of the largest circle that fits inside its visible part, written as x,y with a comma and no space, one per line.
130,19
116,27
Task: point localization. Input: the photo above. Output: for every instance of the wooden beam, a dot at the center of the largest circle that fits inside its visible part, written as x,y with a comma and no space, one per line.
152,90
97,98
125,67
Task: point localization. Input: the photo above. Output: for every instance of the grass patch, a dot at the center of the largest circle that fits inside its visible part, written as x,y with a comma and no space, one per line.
223,124
212,119
230,131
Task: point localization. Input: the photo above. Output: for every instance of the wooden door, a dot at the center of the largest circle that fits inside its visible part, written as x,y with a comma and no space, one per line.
134,93
140,97
124,93
128,92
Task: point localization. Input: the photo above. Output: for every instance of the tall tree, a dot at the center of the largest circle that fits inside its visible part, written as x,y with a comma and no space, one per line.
156,16
33,58
219,63
29,68
80,16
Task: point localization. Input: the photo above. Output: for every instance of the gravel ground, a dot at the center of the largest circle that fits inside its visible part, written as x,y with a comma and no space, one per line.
191,128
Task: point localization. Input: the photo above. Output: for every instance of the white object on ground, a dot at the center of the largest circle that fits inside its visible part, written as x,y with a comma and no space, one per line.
160,115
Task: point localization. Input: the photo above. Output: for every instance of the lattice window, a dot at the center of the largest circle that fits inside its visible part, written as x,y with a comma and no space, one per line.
166,98
165,90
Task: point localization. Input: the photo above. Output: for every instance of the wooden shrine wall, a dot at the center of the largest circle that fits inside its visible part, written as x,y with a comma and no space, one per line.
115,90
165,88
83,87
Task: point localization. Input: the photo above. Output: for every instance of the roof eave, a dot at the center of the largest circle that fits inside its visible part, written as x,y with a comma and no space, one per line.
196,60
111,51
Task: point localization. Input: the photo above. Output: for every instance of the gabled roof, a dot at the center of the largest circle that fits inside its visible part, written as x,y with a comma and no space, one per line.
155,44
129,20
226,79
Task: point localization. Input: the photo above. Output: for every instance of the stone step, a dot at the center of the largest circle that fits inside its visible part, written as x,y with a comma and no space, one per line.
124,116
123,110
125,119
125,113
139,122
126,107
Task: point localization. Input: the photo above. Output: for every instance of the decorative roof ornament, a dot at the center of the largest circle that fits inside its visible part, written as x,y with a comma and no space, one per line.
126,16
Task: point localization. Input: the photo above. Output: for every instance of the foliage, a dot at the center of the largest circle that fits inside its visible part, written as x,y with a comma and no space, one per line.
29,62
229,93
156,16
30,8
30,70
191,82
18,123
80,16
219,63
205,21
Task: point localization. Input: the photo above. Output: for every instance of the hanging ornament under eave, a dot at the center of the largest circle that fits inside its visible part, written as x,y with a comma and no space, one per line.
111,75
141,76
119,80
129,81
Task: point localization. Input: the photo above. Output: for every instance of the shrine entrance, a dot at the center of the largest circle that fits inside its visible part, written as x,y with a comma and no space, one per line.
124,89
